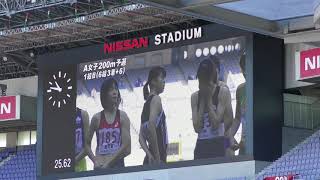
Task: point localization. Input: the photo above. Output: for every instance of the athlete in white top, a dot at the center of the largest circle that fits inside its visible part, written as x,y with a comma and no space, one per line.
209,106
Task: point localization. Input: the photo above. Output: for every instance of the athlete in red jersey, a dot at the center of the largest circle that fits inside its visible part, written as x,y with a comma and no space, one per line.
112,128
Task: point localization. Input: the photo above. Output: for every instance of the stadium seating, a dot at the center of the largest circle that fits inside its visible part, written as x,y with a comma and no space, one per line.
231,65
173,74
133,75
189,69
4,153
303,161
21,163
122,83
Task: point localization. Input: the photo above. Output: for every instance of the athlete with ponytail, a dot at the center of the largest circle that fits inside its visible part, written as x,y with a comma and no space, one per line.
153,136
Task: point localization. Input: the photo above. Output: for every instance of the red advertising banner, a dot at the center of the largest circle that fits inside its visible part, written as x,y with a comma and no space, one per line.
8,108
288,177
309,63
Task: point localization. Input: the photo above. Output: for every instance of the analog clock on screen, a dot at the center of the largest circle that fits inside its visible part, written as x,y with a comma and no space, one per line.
59,89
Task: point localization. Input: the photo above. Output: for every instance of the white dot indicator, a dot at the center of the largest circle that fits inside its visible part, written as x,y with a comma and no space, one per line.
198,52
185,54
206,51
220,49
237,47
213,50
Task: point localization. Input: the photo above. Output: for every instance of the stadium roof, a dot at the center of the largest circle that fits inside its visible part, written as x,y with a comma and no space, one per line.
57,24
272,9
30,27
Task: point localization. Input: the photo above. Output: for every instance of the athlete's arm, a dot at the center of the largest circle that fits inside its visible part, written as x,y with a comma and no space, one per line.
93,127
197,113
143,144
85,118
125,148
228,113
155,110
237,120
224,102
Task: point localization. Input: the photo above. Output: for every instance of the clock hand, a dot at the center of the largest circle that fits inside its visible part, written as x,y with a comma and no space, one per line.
55,88
58,87
57,84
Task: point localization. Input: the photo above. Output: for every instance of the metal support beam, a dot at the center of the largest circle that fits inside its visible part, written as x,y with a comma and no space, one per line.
193,3
3,88
10,7
187,4
316,13
62,23
297,24
302,37
18,58
87,35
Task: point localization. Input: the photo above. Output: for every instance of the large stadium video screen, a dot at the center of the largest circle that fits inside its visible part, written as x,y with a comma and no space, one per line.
164,106
139,103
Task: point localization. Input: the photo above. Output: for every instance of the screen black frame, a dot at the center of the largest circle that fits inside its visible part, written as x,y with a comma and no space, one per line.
212,32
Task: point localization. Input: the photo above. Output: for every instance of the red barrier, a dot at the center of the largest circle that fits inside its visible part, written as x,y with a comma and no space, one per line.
287,177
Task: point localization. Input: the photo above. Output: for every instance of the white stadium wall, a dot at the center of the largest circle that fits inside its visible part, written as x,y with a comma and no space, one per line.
22,86
290,72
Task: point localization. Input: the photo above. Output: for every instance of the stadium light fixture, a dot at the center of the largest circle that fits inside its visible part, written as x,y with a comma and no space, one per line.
31,54
5,58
